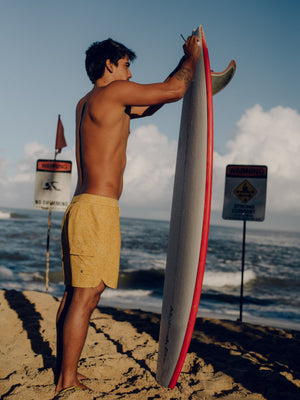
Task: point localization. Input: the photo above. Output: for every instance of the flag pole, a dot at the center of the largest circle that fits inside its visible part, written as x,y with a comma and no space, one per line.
60,142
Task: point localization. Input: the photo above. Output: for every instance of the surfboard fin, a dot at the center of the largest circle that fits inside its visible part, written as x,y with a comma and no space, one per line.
221,79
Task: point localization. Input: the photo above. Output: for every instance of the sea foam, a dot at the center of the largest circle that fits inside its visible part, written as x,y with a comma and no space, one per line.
220,279
5,215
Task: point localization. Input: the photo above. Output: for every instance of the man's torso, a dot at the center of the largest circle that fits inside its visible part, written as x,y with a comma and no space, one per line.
102,129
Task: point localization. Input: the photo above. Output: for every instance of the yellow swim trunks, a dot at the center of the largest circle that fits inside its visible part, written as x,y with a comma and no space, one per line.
91,241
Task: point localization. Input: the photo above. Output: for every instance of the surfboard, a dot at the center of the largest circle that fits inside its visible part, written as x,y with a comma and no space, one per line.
190,217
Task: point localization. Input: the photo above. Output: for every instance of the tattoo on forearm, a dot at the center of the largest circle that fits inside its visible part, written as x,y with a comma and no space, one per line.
185,75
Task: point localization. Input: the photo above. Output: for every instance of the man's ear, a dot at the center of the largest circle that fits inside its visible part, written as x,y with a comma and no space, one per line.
109,65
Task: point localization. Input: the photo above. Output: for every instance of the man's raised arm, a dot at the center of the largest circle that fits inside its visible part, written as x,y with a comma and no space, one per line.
178,81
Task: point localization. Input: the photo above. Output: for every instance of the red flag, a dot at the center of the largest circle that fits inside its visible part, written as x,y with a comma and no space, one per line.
60,137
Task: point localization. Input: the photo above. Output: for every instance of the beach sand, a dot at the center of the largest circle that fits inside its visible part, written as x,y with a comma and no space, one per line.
226,359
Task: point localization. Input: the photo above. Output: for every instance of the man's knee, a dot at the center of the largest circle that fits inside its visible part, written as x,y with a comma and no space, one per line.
89,297
98,291
100,288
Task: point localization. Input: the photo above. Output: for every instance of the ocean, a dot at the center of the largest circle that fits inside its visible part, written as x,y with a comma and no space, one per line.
271,278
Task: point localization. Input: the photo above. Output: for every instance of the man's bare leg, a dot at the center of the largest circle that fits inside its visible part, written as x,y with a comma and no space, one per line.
60,320
77,309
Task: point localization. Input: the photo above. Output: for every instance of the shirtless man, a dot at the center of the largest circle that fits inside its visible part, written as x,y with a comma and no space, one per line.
91,231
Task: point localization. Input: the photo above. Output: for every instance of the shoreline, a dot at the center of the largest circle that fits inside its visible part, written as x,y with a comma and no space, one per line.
226,359
247,318
144,306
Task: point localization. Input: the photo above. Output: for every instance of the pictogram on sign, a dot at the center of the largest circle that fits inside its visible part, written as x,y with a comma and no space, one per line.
245,191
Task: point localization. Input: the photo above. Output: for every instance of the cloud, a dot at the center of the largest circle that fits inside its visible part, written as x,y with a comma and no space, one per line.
148,178
270,138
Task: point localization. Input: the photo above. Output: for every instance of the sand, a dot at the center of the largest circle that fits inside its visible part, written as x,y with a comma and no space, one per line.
226,360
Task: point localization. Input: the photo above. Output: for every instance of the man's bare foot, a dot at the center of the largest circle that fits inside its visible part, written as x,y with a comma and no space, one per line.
78,386
71,389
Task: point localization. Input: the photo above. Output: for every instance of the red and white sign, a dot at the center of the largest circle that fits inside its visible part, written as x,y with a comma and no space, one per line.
52,184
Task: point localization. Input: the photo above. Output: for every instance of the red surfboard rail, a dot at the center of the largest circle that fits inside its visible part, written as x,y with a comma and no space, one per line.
206,219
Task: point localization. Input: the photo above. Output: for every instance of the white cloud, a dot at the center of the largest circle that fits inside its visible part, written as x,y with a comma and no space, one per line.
149,175
270,138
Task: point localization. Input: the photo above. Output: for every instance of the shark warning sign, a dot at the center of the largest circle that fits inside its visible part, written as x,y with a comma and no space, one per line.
245,192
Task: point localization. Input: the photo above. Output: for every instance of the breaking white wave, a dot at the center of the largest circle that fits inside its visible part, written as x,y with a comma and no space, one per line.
5,215
221,279
5,273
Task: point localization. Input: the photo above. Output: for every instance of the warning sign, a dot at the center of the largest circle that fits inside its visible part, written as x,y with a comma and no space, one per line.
52,184
245,192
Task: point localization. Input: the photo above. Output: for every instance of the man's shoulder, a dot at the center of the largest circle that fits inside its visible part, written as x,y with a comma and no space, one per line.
112,92
116,86
82,101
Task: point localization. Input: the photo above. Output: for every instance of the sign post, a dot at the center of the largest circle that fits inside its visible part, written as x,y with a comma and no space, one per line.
245,200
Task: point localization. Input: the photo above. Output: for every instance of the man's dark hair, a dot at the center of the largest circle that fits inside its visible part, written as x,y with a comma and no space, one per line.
99,52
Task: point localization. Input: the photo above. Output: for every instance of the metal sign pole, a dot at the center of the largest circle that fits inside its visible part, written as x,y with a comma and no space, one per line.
242,274
48,241
48,250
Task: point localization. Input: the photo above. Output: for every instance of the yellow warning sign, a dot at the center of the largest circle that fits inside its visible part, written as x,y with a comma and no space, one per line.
245,191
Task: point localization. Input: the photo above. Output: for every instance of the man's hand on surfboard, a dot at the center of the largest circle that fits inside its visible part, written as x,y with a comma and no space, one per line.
191,47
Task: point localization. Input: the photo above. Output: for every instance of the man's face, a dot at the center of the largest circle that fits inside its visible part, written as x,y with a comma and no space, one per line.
122,71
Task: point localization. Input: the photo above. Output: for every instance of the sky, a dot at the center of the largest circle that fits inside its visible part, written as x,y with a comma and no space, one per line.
256,117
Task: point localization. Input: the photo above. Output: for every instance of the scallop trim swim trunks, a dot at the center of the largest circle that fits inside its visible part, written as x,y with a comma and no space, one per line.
91,241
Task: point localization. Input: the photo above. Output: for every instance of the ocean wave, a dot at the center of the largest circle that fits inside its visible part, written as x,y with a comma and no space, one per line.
11,215
16,256
32,277
133,299
31,286
144,279
126,294
221,279
278,282
5,273
223,298
133,260
5,215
